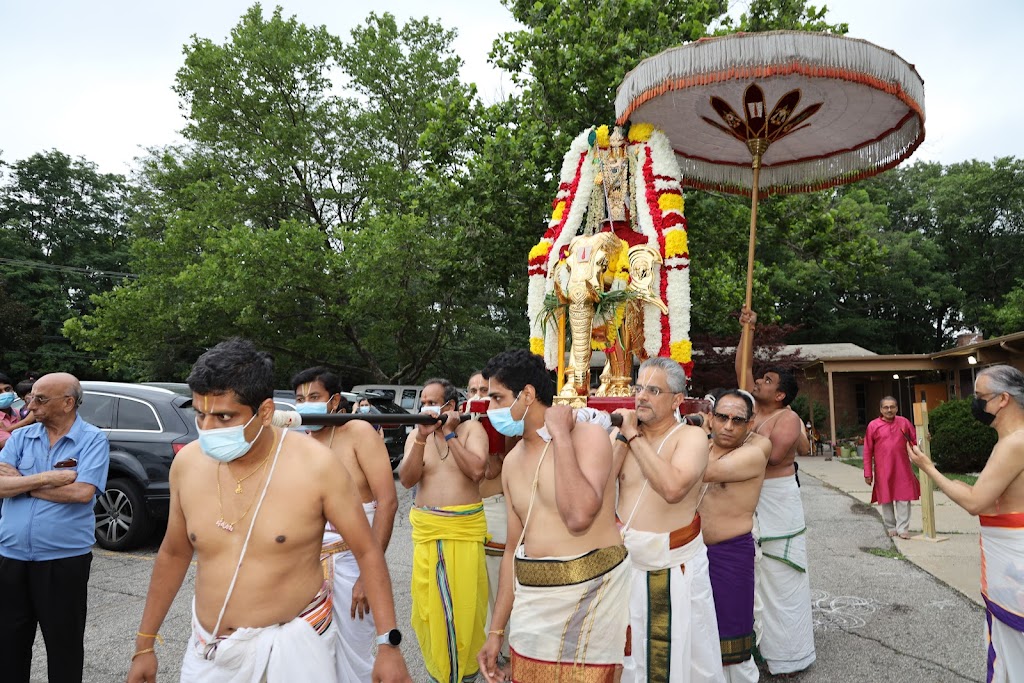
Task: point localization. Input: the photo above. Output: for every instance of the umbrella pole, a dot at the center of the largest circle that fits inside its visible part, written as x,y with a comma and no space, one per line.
757,149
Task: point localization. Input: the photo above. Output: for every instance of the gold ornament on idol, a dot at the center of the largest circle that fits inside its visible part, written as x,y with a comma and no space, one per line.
221,522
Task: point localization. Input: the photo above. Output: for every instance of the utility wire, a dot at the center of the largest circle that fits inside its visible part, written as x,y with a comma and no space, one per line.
42,265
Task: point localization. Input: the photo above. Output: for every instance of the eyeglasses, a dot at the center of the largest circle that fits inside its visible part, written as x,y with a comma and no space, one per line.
638,389
735,419
43,400
990,396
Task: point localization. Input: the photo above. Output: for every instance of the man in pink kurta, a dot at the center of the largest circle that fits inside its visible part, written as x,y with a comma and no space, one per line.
887,467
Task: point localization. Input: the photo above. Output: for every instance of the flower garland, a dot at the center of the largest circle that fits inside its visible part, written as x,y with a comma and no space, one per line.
658,191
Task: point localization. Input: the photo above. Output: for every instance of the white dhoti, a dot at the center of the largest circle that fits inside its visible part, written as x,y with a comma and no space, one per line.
569,617
355,636
1002,587
494,550
673,629
300,650
784,625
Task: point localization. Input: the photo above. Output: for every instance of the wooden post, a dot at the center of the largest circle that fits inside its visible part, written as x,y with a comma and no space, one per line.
927,490
832,412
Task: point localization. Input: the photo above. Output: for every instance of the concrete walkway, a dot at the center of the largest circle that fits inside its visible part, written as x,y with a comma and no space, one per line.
955,561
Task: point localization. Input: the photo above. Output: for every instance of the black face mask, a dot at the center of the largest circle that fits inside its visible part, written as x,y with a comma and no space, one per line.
979,413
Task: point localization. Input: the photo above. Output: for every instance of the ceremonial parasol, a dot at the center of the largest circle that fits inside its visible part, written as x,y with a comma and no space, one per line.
778,112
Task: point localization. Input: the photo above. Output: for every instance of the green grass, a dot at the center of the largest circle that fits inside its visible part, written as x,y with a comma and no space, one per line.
969,479
887,552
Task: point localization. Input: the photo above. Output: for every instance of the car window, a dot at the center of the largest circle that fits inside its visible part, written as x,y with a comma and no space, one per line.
98,410
138,415
409,398
389,394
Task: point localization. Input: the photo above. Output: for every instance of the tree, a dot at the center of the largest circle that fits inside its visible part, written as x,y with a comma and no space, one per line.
328,228
63,240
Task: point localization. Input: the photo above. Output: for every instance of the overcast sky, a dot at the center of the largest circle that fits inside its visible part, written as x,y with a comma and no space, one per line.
94,79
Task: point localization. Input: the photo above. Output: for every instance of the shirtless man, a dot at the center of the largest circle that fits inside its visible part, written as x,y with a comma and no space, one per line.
449,579
358,447
570,580
251,502
735,471
784,625
663,463
493,498
998,500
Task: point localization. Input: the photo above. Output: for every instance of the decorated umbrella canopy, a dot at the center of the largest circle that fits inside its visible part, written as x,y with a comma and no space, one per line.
778,112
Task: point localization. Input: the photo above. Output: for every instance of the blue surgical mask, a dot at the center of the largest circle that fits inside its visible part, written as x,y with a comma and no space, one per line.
7,398
364,409
226,443
433,410
312,408
502,420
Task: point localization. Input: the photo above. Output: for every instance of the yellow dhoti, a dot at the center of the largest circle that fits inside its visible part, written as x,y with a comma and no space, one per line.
449,589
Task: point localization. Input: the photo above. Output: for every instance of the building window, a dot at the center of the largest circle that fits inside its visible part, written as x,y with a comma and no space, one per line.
861,400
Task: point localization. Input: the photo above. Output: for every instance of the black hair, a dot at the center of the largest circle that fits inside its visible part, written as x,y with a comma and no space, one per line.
235,365
787,384
330,380
519,367
743,395
4,379
451,394
24,387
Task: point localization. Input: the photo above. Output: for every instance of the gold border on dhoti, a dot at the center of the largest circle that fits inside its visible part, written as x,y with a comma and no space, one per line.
537,671
737,650
550,573
494,549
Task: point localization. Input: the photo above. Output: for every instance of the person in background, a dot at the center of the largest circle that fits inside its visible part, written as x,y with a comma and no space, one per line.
887,468
8,415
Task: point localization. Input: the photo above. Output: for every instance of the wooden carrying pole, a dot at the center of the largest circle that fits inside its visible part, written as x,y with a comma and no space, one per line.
747,349
927,490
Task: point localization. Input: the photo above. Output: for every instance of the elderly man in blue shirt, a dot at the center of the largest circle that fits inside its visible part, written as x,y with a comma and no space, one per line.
49,475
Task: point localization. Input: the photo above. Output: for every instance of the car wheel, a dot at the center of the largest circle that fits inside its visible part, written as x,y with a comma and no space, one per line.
122,521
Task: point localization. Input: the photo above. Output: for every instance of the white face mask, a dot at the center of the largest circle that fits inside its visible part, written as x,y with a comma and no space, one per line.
433,410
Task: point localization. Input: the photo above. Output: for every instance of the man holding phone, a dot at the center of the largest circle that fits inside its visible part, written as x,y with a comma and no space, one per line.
887,468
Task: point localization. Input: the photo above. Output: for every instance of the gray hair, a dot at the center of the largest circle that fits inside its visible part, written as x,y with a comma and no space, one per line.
888,398
451,394
1006,379
675,376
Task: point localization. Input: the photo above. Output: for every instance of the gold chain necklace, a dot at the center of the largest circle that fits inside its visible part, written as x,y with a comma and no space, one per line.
238,482
447,448
230,526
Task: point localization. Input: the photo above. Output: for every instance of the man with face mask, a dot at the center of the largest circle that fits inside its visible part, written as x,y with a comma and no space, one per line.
673,630
570,579
8,417
733,478
446,461
358,447
250,502
887,469
998,500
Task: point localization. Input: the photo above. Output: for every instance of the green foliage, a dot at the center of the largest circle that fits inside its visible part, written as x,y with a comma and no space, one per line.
62,240
959,442
801,404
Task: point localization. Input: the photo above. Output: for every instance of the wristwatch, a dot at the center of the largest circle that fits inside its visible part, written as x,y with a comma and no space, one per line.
392,638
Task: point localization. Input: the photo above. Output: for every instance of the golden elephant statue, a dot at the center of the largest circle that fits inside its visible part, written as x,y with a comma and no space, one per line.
579,281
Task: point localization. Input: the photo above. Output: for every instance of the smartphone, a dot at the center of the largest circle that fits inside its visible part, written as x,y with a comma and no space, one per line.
906,435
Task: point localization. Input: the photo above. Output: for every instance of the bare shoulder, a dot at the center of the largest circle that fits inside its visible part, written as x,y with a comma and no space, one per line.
308,451
469,428
761,442
187,459
1011,447
791,419
356,430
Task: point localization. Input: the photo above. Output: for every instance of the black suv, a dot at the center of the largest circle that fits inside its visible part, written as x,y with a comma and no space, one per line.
146,427
394,435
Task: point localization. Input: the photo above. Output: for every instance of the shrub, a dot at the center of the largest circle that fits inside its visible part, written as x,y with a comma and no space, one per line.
959,442
800,405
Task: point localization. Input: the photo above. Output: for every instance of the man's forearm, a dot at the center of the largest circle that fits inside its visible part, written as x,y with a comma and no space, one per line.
471,464
168,573
78,492
959,492
384,522
377,584
11,486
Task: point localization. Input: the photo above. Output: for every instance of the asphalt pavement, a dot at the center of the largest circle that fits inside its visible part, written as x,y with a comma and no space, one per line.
877,617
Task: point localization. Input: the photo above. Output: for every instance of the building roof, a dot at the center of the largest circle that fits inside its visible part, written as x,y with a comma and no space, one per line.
827,351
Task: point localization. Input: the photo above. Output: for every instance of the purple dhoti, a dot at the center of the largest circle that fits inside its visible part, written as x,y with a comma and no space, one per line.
731,566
